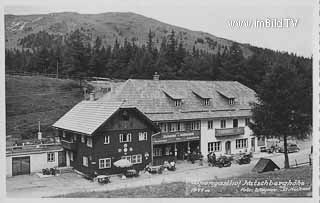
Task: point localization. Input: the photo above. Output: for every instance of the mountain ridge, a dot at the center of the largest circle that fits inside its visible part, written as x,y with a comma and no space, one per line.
111,26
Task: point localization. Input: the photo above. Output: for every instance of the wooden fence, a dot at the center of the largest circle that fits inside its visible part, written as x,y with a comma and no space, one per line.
307,162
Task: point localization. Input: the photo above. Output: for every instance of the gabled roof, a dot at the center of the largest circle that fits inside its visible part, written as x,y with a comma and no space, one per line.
87,116
149,97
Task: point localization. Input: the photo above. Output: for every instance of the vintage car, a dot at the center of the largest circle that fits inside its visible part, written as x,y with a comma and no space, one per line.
290,147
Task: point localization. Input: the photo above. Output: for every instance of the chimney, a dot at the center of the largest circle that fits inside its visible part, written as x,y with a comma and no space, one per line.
92,96
156,76
39,132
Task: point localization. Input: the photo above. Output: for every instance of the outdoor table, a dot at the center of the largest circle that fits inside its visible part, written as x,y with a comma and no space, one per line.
131,172
100,178
154,169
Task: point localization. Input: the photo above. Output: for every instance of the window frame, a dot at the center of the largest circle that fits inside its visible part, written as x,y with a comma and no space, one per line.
157,151
235,121
106,136
50,157
206,102
83,139
136,157
89,144
104,162
214,146
143,136
177,102
210,124
128,157
121,136
223,123
242,143
85,161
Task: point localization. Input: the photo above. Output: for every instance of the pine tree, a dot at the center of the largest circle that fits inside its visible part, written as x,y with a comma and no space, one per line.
281,109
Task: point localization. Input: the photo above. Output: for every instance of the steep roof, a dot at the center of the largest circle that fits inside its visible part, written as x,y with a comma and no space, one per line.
154,98
87,116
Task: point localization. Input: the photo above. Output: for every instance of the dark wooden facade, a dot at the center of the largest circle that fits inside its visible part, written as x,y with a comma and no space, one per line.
124,121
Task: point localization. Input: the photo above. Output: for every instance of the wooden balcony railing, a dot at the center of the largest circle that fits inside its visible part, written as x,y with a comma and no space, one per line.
68,145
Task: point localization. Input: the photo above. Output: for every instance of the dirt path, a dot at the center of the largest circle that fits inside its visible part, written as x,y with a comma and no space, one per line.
33,186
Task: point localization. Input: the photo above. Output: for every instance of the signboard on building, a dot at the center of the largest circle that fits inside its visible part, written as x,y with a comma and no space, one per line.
176,137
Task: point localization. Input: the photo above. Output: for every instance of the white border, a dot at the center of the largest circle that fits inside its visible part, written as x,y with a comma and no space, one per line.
238,200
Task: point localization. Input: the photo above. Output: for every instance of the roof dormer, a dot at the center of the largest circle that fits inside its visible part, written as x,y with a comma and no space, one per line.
175,96
228,95
204,96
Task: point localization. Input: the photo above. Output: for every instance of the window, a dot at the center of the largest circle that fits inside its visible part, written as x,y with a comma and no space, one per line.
171,127
64,134
206,102
85,161
195,125
106,139
178,127
247,121
163,127
157,151
235,123
261,141
241,143
83,139
125,138
50,156
167,151
143,136
104,163
71,156
231,101
75,138
223,124
210,124
214,146
177,102
126,157
136,159
89,141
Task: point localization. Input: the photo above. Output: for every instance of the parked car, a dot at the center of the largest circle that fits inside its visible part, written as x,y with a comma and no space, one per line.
272,149
223,161
244,159
263,149
169,166
290,147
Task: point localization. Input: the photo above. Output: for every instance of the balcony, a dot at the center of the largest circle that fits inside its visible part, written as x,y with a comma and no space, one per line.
69,145
229,131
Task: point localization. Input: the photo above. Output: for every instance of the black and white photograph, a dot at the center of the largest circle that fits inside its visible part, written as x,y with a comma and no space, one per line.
159,99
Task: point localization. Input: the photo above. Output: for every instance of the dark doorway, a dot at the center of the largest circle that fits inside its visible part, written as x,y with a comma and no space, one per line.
228,147
62,159
253,140
235,123
20,165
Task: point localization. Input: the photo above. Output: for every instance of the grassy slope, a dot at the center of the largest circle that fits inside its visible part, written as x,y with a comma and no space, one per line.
29,99
179,189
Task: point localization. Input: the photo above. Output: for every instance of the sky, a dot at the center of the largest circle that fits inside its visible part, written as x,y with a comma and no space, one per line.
210,16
